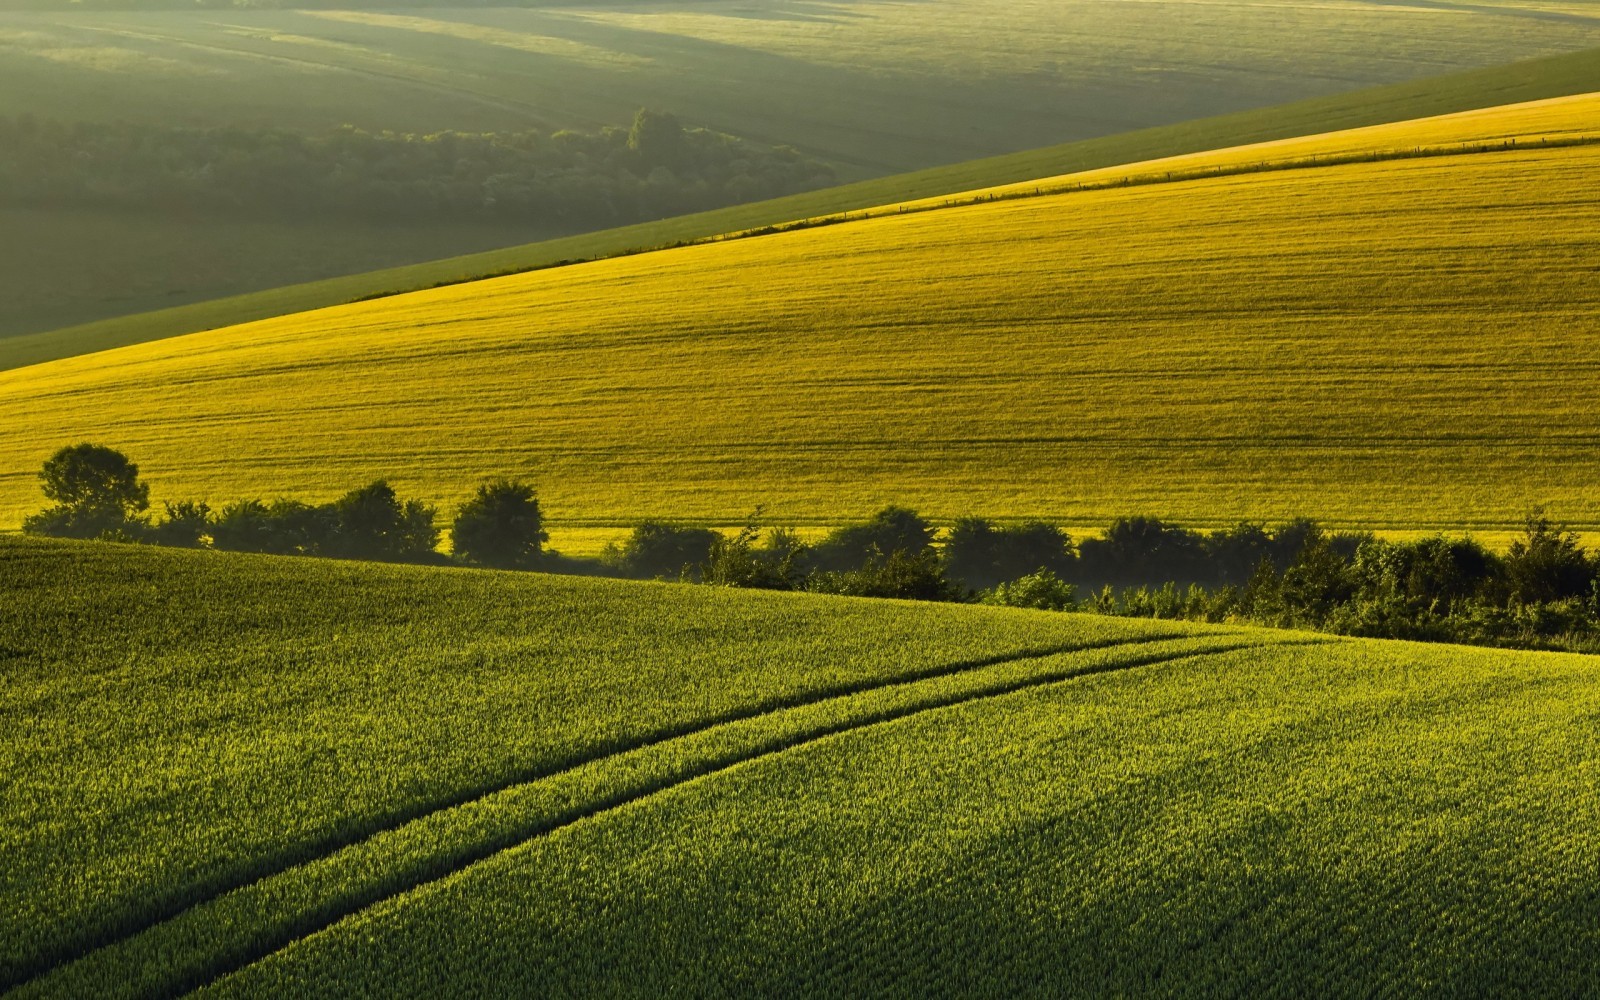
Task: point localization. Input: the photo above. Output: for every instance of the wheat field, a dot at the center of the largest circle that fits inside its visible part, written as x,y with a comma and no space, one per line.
247,776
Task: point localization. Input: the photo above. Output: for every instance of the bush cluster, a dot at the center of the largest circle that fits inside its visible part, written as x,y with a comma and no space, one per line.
615,176
99,495
1544,592
891,555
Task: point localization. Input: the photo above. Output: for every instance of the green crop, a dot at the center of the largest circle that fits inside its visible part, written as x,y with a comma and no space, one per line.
1352,819
179,725
266,777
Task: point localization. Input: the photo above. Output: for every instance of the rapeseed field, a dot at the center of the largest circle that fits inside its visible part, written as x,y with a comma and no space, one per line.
1389,344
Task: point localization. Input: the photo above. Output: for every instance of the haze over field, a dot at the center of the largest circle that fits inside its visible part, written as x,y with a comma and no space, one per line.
870,88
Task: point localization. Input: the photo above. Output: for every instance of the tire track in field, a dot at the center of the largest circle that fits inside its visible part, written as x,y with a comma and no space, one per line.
263,946
120,931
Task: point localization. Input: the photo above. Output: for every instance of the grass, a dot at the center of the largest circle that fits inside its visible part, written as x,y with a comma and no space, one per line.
66,266
851,83
1392,344
279,777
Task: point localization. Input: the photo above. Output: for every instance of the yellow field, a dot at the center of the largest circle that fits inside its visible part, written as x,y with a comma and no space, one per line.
1396,344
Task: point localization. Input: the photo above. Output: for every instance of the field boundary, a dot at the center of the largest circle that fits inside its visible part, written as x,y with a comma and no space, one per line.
125,931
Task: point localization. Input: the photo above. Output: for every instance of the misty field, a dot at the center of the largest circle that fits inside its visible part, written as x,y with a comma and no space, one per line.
277,777
872,88
1389,344
880,87
36,261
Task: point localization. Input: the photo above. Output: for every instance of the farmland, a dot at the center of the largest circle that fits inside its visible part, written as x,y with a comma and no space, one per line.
1387,344
872,88
272,776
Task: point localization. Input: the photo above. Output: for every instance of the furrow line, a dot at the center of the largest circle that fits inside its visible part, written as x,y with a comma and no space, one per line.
757,750
76,950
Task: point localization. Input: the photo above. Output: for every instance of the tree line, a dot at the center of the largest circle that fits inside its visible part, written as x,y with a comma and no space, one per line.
98,494
656,168
1543,592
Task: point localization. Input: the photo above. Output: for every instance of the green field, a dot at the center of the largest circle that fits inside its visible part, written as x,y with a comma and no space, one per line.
1388,344
292,777
874,88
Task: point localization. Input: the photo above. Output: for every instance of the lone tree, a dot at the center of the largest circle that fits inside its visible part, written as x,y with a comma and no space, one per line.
501,526
96,489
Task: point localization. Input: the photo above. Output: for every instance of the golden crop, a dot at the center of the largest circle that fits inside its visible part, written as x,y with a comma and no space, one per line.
1393,344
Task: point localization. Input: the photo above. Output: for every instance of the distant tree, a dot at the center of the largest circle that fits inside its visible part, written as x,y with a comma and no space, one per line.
1547,564
657,139
97,491
284,527
1318,580
1433,574
892,530
664,551
1235,553
373,523
1142,550
501,526
979,554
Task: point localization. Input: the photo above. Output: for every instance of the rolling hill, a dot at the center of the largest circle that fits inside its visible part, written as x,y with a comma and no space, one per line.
264,777
1382,328
873,88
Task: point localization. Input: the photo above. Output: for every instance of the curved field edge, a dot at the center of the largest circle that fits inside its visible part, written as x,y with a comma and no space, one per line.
1537,79
1347,819
215,938
181,725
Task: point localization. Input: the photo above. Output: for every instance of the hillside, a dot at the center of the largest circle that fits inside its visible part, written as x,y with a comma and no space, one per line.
277,776
1388,343
871,88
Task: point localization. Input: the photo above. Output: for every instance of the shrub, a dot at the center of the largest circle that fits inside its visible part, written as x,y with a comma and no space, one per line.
373,523
657,550
502,526
1043,591
738,561
900,574
890,531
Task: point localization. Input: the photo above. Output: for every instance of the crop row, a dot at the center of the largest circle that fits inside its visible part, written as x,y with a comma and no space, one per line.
1353,819
177,725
